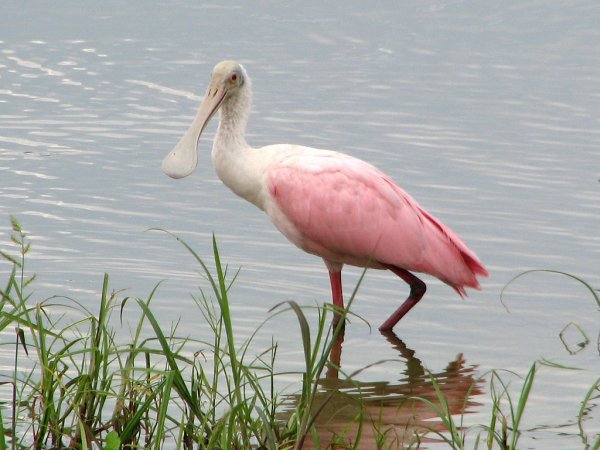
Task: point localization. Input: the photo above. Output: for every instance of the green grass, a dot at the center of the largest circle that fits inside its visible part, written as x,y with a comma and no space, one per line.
88,390
77,382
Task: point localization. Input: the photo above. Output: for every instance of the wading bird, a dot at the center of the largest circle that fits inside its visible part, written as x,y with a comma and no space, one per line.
327,203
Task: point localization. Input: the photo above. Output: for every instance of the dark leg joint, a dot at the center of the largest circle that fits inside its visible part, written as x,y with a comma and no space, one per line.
417,290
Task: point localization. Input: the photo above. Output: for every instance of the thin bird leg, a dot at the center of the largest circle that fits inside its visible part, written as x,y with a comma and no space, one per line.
417,290
335,357
335,277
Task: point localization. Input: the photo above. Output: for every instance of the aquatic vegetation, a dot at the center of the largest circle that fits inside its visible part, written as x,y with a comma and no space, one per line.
92,379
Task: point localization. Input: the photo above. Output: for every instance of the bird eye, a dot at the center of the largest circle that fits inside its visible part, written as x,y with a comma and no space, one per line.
233,77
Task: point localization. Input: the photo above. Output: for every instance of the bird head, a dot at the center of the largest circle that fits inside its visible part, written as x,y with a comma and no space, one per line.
227,78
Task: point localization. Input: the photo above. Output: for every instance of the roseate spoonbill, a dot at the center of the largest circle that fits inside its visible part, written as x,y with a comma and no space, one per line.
327,203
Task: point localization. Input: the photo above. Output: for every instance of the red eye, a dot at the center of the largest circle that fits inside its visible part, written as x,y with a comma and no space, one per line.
234,77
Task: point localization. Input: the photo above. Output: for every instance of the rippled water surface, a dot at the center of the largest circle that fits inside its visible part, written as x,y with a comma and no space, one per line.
488,114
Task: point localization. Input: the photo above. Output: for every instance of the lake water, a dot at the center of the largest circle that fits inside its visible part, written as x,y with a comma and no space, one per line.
487,113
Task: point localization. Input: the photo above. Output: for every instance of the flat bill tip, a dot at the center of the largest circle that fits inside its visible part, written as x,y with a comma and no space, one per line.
179,164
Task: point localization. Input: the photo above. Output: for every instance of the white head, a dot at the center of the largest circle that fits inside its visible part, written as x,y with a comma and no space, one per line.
228,78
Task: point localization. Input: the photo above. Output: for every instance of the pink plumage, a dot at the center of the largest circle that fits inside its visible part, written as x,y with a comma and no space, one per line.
348,212
327,203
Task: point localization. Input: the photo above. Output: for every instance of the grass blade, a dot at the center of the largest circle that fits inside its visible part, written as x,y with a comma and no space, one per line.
178,382
525,391
527,272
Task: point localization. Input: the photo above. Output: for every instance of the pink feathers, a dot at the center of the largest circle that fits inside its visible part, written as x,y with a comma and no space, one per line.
348,212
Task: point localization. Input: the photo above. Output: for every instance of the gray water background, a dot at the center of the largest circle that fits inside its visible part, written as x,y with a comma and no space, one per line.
487,113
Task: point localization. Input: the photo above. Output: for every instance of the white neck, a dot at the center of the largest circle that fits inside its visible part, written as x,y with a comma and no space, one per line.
234,117
233,158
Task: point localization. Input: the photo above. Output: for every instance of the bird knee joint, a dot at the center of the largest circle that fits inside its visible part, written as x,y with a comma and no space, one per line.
418,289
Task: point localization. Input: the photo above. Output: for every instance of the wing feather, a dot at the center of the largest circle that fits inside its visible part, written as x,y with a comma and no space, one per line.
346,206
348,212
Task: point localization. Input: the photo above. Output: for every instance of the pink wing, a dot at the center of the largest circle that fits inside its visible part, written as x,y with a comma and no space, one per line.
346,211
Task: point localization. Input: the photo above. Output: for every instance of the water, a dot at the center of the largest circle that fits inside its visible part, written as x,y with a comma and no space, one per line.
488,114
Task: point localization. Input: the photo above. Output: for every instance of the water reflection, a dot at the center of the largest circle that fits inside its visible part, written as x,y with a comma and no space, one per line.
393,414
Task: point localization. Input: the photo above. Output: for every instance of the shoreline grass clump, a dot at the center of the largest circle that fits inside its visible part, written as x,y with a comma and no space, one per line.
76,384
73,385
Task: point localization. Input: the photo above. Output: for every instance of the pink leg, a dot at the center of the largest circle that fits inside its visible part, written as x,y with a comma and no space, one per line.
335,357
335,277
417,290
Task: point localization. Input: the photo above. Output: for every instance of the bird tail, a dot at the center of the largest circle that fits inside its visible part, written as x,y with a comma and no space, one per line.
473,267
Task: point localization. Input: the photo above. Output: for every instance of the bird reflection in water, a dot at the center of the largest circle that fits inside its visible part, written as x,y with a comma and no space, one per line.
388,414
